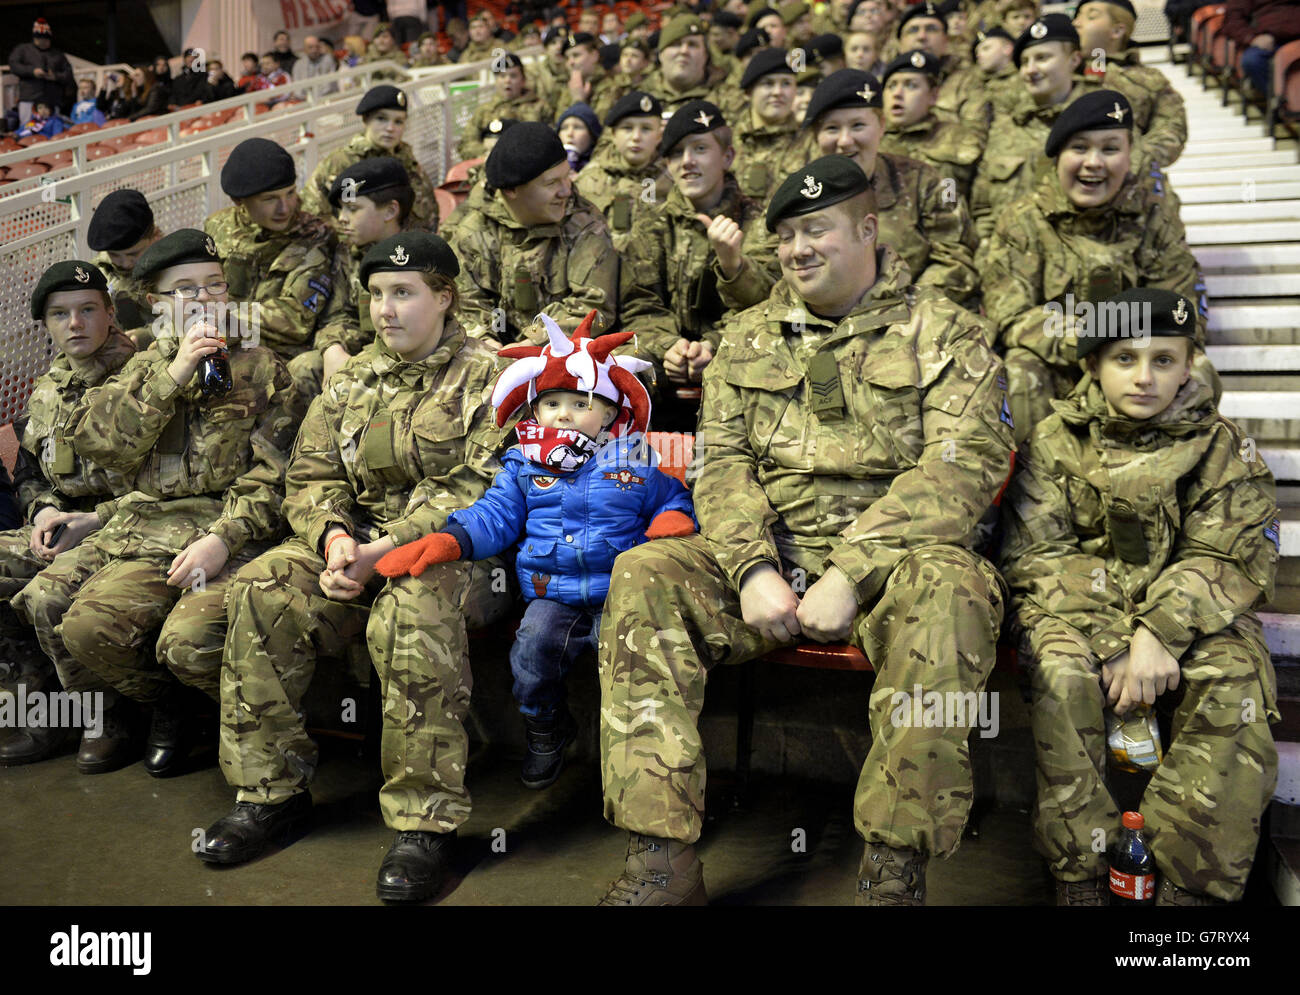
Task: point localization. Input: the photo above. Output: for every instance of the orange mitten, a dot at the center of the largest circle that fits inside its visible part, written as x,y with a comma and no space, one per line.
667,524
414,557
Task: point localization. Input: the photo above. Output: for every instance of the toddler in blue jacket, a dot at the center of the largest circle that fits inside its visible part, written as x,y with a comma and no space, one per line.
579,488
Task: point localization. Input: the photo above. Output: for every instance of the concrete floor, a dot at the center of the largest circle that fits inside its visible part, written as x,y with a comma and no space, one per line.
124,839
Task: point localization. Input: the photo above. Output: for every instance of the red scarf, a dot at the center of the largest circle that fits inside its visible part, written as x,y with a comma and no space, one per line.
563,450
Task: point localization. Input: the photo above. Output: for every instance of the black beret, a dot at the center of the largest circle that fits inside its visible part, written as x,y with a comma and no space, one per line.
504,61
927,9
1095,110
678,28
1139,312
609,55
726,19
756,15
824,47
916,61
633,104
409,251
71,275
843,88
653,39
693,118
765,63
552,33
188,245
997,32
1049,27
751,39
522,154
368,178
497,126
821,183
383,97
256,165
1123,5
121,219
582,38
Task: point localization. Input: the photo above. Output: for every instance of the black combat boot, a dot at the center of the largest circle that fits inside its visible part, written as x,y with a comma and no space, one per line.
24,744
247,831
182,719
416,864
547,739
121,741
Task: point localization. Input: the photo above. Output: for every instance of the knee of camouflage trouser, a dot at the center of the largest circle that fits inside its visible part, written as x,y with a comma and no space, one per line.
922,571
308,372
1060,676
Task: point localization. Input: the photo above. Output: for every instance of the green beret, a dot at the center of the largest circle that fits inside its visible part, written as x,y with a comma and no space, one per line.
522,154
71,275
368,178
927,9
121,219
409,251
821,183
791,12
917,61
678,28
634,104
1137,313
1049,27
1093,111
189,245
843,88
765,63
695,117
378,98
637,19
255,166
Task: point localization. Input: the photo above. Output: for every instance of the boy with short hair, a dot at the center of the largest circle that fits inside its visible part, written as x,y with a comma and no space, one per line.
1140,543
577,491
911,87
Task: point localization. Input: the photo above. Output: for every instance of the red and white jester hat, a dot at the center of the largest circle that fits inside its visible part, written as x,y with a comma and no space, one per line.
583,365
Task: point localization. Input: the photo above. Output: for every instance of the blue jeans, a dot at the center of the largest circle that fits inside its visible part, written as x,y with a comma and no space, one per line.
1256,64
550,637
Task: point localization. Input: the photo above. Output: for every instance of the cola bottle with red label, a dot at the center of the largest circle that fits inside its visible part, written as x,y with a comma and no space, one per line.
1132,866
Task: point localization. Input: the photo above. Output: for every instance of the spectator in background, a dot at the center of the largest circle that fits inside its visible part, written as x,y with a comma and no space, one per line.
408,19
152,93
191,84
250,72
162,70
578,129
223,87
426,52
283,52
1260,28
117,99
43,71
356,49
458,32
272,75
610,29
86,109
42,122
317,60
384,46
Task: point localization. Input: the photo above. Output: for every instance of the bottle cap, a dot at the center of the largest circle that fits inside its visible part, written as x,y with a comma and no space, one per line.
1133,820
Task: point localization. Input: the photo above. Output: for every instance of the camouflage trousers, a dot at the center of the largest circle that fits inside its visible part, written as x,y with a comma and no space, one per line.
1032,385
19,651
672,614
308,372
99,619
1203,805
415,630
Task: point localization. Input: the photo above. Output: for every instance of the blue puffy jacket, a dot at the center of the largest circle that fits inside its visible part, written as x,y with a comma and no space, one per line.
568,528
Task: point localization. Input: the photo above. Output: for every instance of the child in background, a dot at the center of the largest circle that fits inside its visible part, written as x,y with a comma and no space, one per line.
578,130
580,488
42,122
86,109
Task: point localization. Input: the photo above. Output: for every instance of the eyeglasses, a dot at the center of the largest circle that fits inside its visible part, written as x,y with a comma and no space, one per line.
190,292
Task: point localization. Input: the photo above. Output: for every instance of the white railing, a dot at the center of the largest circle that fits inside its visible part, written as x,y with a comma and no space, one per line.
43,218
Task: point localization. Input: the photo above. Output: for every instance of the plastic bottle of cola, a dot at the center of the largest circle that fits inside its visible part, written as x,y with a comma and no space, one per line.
214,371
1132,867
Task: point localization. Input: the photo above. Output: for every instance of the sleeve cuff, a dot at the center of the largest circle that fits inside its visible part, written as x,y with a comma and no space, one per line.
1165,627
866,577
106,510
231,532
459,533
1113,639
159,388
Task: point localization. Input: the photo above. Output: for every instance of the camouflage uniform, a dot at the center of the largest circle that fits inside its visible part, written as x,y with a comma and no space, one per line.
1044,247
396,55
711,89
196,466
669,280
622,194
316,194
964,98
917,218
865,489
131,308
767,154
953,149
288,274
1159,115
477,51
564,270
51,473
1208,518
527,106
392,448
550,80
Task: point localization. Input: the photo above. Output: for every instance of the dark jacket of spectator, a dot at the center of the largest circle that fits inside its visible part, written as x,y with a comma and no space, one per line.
224,87
25,59
114,102
1244,19
189,87
154,102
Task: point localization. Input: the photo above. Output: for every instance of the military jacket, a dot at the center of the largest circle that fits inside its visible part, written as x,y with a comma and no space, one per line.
953,149
767,154
316,194
130,305
528,106
1159,114
622,194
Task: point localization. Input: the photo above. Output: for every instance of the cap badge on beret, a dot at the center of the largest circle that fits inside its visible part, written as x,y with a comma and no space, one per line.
401,99
1180,312
866,93
704,119
1037,29
81,275
1117,113
210,245
917,60
930,9
495,125
646,104
399,258
811,188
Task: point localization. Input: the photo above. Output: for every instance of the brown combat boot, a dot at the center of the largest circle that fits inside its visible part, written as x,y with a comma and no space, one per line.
658,872
1090,893
1170,894
888,876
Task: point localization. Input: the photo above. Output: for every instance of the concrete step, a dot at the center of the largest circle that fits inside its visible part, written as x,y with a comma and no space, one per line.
1236,214
1253,256
1236,194
1255,359
1282,633
1271,418
1228,146
1283,461
1207,159
1235,234
1244,316
1201,177
1246,285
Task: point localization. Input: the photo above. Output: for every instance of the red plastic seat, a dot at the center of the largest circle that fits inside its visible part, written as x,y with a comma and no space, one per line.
446,200
31,140
25,170
57,160
100,150
458,176
80,129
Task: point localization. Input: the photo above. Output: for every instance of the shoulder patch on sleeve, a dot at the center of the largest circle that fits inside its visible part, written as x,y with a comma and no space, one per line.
1273,533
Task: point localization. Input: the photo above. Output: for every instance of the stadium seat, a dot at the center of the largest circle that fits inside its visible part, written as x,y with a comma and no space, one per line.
1284,101
447,201
80,129
31,140
26,170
